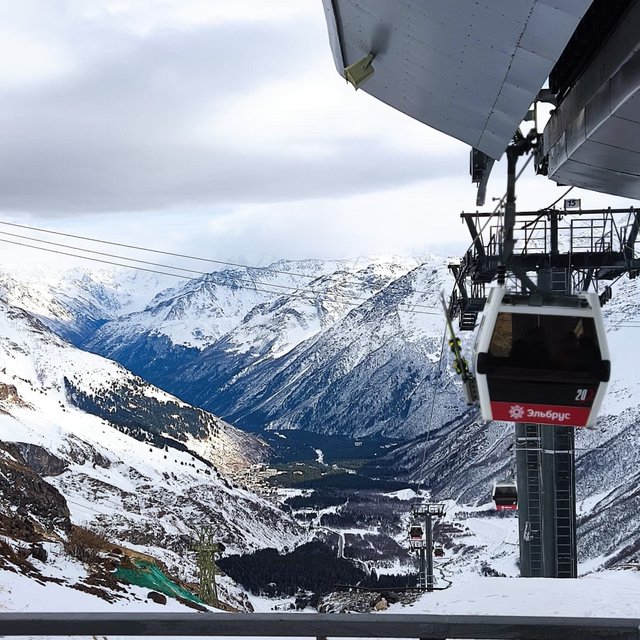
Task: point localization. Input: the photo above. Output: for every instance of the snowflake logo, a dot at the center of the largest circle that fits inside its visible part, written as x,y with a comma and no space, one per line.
516,412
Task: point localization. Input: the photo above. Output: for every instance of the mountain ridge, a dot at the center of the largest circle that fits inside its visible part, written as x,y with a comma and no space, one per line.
379,368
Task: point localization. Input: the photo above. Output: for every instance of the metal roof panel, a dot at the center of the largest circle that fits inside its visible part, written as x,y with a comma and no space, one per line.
484,60
592,138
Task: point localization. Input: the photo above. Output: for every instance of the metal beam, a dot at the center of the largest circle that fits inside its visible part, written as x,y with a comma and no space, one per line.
475,234
538,212
631,238
312,625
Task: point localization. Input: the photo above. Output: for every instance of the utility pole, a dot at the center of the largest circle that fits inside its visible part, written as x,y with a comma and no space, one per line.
424,545
206,549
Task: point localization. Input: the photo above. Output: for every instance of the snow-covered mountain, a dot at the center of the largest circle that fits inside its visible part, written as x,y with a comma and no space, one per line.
347,325
196,313
357,351
86,442
373,371
75,302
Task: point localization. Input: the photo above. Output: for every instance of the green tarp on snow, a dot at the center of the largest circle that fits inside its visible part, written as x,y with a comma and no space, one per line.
146,574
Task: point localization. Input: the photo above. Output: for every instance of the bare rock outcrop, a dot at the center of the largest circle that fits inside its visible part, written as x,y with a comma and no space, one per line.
30,508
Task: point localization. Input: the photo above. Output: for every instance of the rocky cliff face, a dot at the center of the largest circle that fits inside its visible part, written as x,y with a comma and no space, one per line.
31,509
40,460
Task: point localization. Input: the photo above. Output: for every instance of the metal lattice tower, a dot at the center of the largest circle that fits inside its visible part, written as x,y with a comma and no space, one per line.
206,549
528,464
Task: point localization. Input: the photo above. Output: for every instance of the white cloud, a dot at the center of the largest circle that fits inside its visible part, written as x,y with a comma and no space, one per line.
314,112
27,59
151,15
221,128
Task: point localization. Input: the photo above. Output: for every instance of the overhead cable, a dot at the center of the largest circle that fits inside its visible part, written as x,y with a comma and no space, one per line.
147,249
268,269
256,285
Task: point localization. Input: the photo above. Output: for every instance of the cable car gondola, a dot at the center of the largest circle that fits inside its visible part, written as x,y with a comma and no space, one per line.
505,495
542,359
415,532
416,537
438,551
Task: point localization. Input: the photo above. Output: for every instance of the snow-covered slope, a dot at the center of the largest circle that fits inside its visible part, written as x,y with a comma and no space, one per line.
317,362
75,302
70,414
375,370
250,312
359,353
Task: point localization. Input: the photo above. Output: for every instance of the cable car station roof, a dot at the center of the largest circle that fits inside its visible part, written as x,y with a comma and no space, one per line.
472,68
593,138
468,68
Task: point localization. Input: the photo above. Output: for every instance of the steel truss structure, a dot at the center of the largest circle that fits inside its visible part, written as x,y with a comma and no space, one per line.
567,250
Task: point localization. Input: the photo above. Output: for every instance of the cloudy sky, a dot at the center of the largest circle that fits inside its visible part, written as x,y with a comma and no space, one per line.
220,129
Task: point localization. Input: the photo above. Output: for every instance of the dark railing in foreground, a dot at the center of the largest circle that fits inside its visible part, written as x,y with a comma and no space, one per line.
310,625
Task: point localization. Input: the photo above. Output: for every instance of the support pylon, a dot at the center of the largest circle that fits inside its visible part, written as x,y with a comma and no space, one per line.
425,548
206,549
